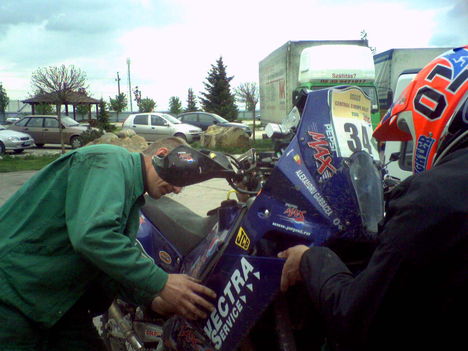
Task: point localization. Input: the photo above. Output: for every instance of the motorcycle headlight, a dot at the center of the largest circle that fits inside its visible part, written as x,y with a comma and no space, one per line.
368,187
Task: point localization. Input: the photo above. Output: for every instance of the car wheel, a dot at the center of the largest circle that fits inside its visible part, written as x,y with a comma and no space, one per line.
2,148
182,136
18,151
76,142
39,146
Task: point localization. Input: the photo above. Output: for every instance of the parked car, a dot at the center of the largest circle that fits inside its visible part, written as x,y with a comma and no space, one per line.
205,119
11,120
45,129
12,140
153,126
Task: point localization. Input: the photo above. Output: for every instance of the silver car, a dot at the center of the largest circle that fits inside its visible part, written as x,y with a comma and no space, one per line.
16,141
153,126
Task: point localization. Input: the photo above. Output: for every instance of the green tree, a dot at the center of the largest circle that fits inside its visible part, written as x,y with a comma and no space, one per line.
102,118
191,101
4,100
175,106
146,105
247,93
45,109
83,110
60,82
218,97
118,104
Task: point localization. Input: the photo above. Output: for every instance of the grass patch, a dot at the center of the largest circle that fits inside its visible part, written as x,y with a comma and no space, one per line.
259,145
25,163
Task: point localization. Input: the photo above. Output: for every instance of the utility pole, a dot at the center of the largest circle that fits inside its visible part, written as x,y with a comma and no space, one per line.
118,83
129,85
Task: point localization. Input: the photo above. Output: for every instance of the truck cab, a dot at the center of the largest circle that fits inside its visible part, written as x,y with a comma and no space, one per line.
325,66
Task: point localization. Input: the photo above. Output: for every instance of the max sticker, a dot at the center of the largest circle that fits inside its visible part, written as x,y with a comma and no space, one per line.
322,154
242,240
295,214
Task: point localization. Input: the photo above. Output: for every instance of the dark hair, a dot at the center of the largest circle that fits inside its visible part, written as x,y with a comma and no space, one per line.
170,143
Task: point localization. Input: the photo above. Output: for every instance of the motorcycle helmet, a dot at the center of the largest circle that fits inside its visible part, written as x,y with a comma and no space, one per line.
432,110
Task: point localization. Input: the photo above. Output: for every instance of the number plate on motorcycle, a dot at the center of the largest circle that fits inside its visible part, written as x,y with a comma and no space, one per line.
351,115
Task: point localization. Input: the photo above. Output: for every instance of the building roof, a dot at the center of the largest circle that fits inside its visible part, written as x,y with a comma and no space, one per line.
74,98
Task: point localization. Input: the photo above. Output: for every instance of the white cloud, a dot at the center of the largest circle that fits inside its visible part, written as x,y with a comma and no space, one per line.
173,43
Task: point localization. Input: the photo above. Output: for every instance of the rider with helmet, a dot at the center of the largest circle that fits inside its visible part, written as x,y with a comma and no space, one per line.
412,294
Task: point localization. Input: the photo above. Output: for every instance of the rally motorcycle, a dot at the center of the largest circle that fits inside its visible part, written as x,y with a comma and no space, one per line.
321,186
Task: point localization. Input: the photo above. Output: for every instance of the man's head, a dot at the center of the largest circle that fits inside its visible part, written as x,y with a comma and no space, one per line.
432,111
155,185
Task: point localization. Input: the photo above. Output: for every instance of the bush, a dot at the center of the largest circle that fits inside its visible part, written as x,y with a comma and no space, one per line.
90,135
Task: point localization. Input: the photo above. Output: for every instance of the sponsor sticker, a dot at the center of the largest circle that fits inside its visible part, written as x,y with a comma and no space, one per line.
185,156
231,303
294,213
298,160
423,149
165,257
321,148
242,239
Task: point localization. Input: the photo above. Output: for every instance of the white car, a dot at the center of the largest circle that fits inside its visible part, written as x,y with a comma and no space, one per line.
16,141
153,126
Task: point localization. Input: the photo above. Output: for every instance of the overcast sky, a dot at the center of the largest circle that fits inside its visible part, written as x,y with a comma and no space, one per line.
173,43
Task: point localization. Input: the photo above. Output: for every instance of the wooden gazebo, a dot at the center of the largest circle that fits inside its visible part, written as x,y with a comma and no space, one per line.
73,98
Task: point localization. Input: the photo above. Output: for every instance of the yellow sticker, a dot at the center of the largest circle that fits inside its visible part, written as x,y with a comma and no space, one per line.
242,240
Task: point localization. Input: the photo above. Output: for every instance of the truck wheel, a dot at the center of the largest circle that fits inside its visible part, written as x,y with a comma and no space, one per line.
2,148
182,136
39,146
76,142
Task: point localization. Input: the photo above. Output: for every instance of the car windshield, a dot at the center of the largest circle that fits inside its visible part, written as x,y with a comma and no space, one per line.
69,122
220,119
171,119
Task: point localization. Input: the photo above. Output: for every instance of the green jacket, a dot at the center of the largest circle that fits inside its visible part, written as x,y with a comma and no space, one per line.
71,224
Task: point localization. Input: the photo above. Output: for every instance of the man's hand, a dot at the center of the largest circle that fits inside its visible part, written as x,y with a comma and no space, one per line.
291,270
182,295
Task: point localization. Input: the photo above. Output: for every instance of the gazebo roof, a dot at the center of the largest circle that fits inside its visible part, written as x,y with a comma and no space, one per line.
74,98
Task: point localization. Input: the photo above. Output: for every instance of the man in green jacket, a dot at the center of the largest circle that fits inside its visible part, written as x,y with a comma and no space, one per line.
70,228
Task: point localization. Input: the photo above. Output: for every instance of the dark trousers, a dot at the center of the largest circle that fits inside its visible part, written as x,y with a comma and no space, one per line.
73,332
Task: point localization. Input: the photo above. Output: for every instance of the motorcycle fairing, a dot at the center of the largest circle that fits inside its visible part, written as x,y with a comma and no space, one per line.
245,286
158,247
309,196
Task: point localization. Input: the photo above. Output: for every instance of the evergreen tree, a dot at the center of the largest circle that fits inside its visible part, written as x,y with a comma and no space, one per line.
218,97
103,117
191,102
4,100
175,106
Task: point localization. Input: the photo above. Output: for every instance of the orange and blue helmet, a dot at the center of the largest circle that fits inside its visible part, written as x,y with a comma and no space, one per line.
432,110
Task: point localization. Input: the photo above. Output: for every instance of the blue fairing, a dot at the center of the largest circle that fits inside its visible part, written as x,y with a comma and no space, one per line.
309,196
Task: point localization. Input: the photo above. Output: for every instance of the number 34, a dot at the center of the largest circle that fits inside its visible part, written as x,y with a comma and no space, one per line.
358,140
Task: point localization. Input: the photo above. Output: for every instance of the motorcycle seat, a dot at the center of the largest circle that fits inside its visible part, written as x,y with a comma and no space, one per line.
181,226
